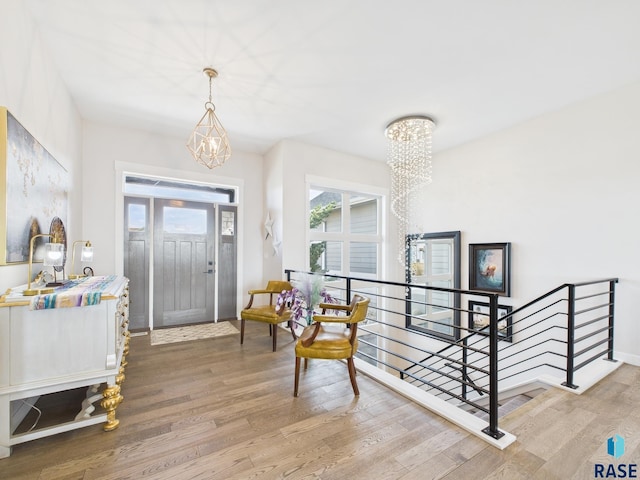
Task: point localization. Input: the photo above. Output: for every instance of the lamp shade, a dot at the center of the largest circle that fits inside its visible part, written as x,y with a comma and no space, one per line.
53,254
87,254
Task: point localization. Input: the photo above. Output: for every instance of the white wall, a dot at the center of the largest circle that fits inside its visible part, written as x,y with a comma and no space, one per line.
33,92
273,204
563,189
108,148
301,161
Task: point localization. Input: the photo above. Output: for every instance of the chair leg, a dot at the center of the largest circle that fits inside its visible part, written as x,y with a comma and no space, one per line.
352,375
275,336
241,331
297,377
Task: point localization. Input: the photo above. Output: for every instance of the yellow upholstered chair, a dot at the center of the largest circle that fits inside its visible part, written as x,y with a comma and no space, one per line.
270,313
327,338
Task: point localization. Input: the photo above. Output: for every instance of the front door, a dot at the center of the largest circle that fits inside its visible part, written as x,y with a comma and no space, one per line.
183,263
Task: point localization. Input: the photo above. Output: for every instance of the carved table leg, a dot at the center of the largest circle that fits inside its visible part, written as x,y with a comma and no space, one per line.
110,402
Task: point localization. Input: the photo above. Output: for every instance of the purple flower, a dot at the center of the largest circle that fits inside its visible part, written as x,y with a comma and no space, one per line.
305,297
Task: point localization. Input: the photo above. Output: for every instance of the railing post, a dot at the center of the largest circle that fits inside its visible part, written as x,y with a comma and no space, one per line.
348,293
571,323
464,368
492,429
612,301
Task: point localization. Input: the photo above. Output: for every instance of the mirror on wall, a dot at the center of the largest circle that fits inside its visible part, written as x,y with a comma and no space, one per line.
433,259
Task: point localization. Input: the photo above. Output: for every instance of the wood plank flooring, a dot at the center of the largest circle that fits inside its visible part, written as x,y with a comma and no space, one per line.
213,409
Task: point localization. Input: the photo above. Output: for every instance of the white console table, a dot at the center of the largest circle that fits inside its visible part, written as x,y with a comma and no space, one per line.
59,348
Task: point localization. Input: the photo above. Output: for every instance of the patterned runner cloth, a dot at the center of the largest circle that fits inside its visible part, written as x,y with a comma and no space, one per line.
75,293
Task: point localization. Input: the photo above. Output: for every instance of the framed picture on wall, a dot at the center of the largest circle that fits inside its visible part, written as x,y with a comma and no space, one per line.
34,191
489,268
479,319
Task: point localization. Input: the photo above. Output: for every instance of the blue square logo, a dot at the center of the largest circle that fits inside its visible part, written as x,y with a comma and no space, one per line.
615,446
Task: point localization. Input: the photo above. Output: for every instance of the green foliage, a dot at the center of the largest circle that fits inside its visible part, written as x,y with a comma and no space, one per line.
318,215
315,253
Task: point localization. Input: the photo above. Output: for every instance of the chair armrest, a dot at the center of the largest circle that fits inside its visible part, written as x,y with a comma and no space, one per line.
308,341
255,292
331,319
261,291
334,306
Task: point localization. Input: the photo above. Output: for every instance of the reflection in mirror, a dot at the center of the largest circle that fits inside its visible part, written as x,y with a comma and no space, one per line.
433,260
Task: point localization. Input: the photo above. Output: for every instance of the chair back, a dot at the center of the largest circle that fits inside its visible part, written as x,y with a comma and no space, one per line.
359,306
277,286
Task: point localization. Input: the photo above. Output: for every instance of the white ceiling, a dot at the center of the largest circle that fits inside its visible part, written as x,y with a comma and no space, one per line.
335,72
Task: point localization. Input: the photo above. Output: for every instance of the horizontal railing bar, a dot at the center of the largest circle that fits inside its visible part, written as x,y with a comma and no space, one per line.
590,309
529,348
591,347
398,284
541,297
435,354
593,295
532,368
427,367
591,322
523,319
591,359
425,382
593,282
473,385
535,344
592,334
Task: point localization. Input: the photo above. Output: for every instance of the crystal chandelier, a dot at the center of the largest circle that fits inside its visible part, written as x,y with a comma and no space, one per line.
409,157
208,142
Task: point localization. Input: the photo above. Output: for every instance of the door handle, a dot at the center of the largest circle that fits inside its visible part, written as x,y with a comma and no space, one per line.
209,271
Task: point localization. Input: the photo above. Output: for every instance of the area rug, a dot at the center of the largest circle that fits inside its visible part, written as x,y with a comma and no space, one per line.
192,332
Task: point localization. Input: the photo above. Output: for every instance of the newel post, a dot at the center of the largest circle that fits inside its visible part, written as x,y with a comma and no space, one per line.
492,429
571,324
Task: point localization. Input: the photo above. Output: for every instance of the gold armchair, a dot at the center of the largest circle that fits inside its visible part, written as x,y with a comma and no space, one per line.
268,313
332,341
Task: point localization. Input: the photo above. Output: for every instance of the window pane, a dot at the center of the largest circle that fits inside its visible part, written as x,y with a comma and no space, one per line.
325,211
137,217
364,214
325,256
185,220
228,222
363,257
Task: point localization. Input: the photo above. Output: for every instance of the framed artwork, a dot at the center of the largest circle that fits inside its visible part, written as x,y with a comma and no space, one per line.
489,268
35,191
479,319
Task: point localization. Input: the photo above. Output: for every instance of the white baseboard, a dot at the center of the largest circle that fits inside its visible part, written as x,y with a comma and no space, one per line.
627,358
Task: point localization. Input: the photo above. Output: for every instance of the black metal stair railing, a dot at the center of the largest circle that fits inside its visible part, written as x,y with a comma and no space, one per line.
561,331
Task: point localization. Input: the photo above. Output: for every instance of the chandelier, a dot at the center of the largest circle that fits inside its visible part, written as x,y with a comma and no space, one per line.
208,142
409,157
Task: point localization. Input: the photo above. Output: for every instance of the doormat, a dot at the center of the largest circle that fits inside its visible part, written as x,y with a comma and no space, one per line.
192,332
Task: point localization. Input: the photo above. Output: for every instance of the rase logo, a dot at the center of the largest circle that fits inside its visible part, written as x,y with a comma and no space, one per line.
615,448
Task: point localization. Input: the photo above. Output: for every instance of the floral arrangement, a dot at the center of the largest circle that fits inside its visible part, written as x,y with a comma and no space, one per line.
307,293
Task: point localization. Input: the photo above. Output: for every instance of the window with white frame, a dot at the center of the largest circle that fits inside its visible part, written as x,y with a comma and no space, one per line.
344,232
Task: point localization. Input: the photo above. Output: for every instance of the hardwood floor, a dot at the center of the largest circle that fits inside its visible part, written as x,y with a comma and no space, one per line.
212,409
